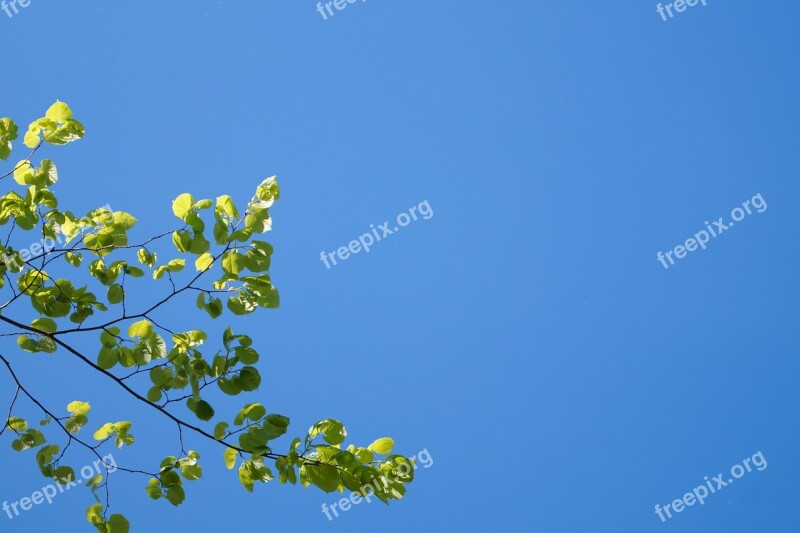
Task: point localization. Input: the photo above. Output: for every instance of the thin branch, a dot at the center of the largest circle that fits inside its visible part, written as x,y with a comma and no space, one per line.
122,384
10,409
110,247
151,309
70,436
27,159
141,398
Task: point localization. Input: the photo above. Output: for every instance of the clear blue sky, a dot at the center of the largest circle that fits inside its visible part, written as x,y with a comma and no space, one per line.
525,335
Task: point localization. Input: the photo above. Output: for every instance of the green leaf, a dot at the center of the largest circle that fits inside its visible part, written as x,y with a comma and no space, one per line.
146,258
107,359
335,433
170,478
59,112
117,524
182,240
253,471
73,258
382,446
268,191
31,139
123,220
182,205
229,386
213,307
159,376
332,431
94,514
203,262
27,343
230,458
204,411
79,408
44,324
104,432
249,379
47,345
233,262
109,337
17,424
142,329
221,232
115,293
323,476
68,131
253,411
63,473
275,426
8,133
246,355
364,455
133,271
176,265
192,472
258,258
154,394
154,488
220,430
225,205
199,244
176,495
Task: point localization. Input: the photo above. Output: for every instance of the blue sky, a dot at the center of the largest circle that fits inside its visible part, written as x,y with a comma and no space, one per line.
525,335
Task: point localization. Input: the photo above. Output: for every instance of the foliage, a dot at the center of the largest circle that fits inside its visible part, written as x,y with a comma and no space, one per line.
220,260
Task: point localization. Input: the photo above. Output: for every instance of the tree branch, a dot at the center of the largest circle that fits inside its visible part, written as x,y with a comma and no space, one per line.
70,436
10,409
132,392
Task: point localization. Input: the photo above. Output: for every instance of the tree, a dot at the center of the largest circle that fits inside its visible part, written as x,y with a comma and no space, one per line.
77,277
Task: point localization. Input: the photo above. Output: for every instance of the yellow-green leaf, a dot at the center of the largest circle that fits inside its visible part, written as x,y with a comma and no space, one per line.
230,458
204,261
182,204
382,446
